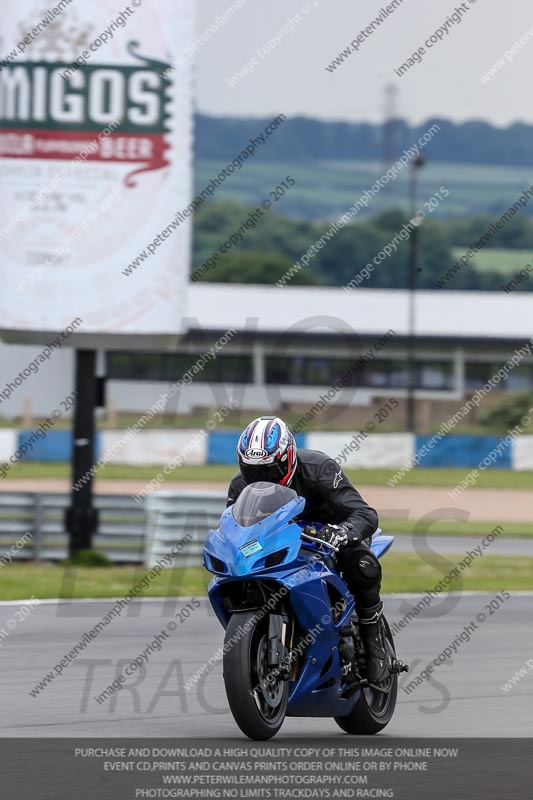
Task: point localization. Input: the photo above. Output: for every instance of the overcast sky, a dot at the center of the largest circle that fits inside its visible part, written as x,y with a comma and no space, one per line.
293,78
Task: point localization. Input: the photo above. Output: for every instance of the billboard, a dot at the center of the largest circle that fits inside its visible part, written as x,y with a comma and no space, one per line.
95,168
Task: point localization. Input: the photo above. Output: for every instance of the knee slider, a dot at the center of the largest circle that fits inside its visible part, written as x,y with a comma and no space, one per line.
368,567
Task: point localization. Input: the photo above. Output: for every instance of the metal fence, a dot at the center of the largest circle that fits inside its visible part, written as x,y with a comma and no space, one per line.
128,533
171,516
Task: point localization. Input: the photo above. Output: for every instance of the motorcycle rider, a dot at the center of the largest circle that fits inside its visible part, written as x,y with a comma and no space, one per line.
267,452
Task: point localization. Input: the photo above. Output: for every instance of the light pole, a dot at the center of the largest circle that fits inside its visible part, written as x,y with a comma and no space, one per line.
416,164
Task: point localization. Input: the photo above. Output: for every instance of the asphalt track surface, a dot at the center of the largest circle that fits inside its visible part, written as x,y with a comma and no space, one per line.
465,697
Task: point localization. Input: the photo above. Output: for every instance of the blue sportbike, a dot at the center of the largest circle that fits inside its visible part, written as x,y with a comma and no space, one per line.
292,644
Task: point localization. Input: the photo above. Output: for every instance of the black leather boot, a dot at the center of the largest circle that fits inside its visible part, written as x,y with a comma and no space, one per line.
373,636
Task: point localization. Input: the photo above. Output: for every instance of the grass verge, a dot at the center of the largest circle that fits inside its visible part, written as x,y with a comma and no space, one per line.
47,581
475,528
448,477
403,572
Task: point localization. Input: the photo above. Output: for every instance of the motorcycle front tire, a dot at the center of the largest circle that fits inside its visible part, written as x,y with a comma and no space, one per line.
258,706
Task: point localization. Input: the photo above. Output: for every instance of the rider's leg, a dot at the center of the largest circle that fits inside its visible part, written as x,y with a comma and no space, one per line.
362,572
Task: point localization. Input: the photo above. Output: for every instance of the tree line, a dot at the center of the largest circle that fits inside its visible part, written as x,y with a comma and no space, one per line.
301,138
267,252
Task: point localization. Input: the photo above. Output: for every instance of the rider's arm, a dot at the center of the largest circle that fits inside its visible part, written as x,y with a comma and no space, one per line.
335,488
235,488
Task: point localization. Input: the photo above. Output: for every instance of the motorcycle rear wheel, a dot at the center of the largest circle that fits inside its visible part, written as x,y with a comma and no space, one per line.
373,710
258,707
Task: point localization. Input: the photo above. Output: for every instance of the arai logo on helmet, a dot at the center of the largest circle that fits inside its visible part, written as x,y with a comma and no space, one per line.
255,452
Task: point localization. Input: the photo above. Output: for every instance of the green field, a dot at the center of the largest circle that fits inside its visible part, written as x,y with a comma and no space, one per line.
489,479
326,189
193,420
48,581
492,259
475,528
403,572
197,418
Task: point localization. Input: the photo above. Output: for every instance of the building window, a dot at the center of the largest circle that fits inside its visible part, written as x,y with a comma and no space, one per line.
519,379
304,371
477,375
436,375
379,374
170,367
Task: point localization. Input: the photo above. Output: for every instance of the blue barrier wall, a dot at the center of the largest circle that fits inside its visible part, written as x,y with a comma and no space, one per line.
450,451
464,451
221,446
52,446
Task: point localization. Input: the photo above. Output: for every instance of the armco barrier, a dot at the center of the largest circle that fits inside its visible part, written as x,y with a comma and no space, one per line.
171,516
120,535
126,533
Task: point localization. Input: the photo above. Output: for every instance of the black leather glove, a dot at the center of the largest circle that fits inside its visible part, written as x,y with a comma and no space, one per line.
339,535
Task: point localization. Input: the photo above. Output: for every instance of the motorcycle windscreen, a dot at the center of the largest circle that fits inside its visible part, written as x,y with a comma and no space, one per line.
258,500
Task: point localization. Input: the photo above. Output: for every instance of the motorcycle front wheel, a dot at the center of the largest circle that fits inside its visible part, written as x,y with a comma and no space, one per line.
257,698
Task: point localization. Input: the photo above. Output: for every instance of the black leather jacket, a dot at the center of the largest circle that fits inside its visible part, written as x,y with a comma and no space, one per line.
329,495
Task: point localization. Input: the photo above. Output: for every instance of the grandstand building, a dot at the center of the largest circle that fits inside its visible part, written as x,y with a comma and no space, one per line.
290,346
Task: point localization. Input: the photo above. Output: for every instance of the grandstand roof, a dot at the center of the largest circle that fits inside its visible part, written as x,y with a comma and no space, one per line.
456,316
